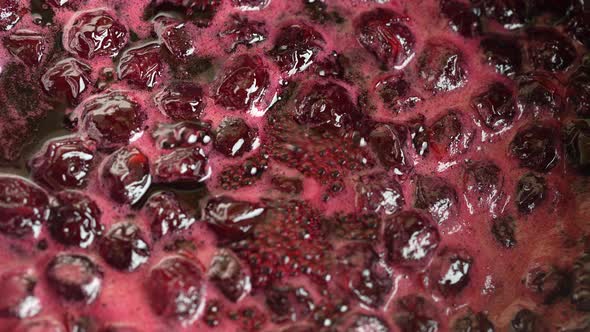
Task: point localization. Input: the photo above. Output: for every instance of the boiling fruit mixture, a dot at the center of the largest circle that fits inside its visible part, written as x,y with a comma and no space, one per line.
294,165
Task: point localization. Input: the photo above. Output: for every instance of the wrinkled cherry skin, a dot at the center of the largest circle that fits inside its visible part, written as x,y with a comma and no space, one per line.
234,137
482,182
539,94
397,93
181,101
496,106
228,274
141,66
240,30
64,163
365,323
75,277
549,50
442,67
503,230
579,27
27,45
437,196
184,134
578,92
448,136
112,119
76,219
24,207
415,314
176,289
383,34
94,33
166,214
126,175
250,4
576,140
123,247
410,239
68,78
530,192
504,53
379,193
462,18
232,219
472,322
535,148
178,41
243,83
186,165
296,48
388,141
450,271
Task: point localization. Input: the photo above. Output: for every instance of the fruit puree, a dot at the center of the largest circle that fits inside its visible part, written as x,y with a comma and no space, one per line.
301,165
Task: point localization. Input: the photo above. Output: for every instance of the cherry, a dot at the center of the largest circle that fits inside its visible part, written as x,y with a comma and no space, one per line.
181,101
450,270
18,298
296,47
250,4
504,53
201,12
239,30
94,33
119,328
186,134
379,193
503,229
578,92
166,214
234,137
243,84
526,321
141,65
419,134
12,12
126,175
513,14
178,41
187,165
60,3
442,67
447,135
397,93
27,45
288,303
581,283
232,219
229,276
40,325
462,18
326,106
530,192
548,282
388,142
75,277
366,323
112,119
437,196
415,314
535,148
410,239
68,78
383,34
123,247
76,219
538,94
549,50
64,163
576,143
482,182
496,106
579,27
176,289
473,322
24,207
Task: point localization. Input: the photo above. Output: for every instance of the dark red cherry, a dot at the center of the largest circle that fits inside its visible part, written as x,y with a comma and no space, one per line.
75,277
388,142
549,50
482,183
24,206
535,148
234,137
397,93
539,94
12,12
415,314
166,214
288,303
384,34
410,239
250,4
232,219
442,67
503,229
579,27
229,275
513,14
437,196
94,33
530,192
526,321
124,248
496,106
76,219
181,101
112,119
176,289
141,66
18,295
27,45
473,322
239,30
326,106
447,136
126,175
243,84
119,328
548,283
462,17
178,40
379,193
576,145
201,12
450,271
296,47
186,134
64,163
502,52
366,323
578,92
68,78
187,165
